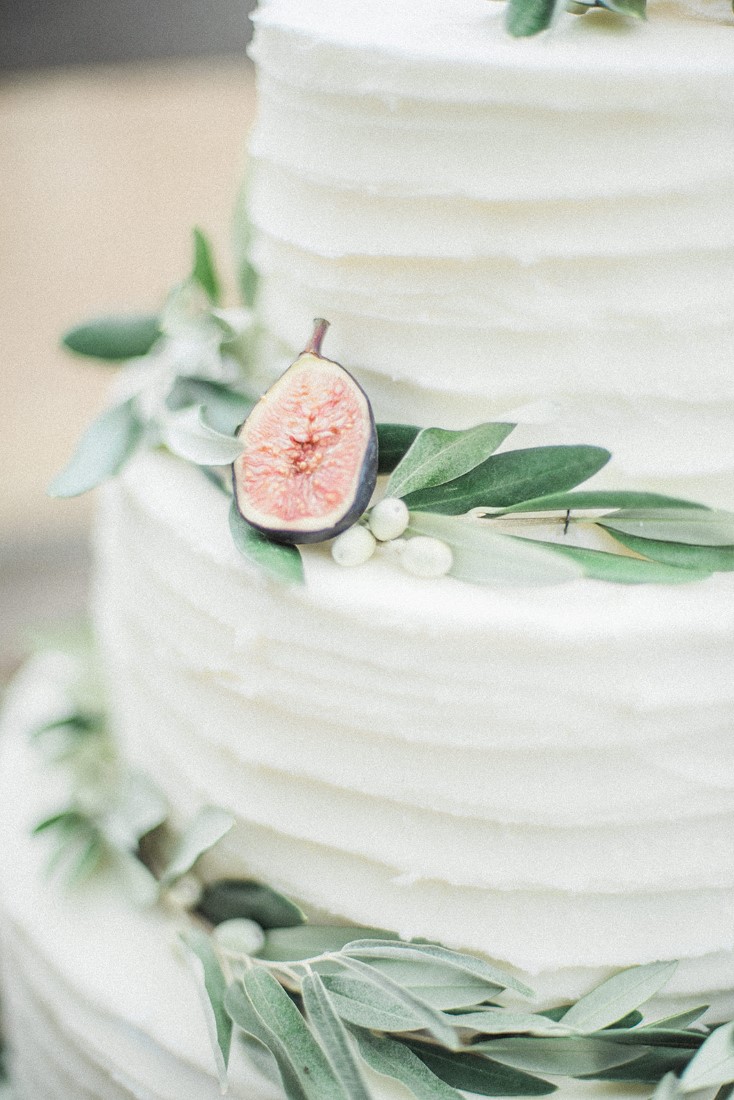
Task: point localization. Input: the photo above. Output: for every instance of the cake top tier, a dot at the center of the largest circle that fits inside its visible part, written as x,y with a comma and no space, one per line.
445,40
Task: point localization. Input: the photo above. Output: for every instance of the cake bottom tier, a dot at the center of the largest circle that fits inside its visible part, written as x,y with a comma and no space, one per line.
98,1001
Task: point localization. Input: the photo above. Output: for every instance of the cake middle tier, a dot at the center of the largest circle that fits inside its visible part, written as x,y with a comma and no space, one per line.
545,777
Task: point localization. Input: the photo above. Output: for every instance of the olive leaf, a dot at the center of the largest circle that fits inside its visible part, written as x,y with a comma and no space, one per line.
332,1034
502,1021
482,556
477,1074
527,17
137,809
281,562
634,8
617,996
101,452
204,271
621,569
510,477
226,408
362,1003
292,944
438,456
187,435
696,527
114,338
680,1019
453,961
569,1056
590,499
396,1060
703,559
393,443
247,276
713,1064
667,1088
230,899
212,988
204,831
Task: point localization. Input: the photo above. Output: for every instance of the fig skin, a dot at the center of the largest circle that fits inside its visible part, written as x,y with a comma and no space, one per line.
312,446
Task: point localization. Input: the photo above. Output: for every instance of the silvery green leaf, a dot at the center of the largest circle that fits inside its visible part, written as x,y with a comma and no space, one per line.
398,1061
510,477
592,499
453,961
438,456
137,881
138,808
225,408
668,1088
680,555
680,1019
332,1035
481,556
650,1067
114,338
204,271
101,452
186,434
201,834
434,984
281,562
617,996
713,1064
495,1021
65,821
393,443
654,1037
260,1057
360,1002
310,940
84,860
431,1020
636,9
304,1067
622,569
565,1056
477,1074
228,899
247,276
524,18
243,1014
212,989
697,527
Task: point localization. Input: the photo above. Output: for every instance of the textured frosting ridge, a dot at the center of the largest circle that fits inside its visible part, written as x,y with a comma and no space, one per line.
491,224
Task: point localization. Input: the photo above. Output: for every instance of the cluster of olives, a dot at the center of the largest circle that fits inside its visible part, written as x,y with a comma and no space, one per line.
387,522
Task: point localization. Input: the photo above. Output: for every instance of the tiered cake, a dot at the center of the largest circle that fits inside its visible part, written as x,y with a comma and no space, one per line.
539,230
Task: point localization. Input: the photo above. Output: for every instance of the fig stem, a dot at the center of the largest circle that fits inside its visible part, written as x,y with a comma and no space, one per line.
314,345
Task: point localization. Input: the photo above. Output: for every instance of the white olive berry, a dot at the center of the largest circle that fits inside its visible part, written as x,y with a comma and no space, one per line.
426,557
353,547
389,518
239,936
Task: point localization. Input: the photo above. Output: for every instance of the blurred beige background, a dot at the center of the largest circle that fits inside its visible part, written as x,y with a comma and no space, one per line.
104,170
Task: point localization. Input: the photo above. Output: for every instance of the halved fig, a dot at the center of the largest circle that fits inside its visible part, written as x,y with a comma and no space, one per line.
309,461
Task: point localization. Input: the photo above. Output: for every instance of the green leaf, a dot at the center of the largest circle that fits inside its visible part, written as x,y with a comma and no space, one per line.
201,834
434,984
438,456
475,1073
360,1002
226,408
101,452
76,723
230,899
622,569
649,1068
566,1056
713,1064
114,338
281,562
527,17
431,1020
393,443
187,434
634,8
332,1034
617,996
213,989
86,859
680,1019
247,276
137,808
482,556
501,1021
654,1037
667,1088
591,499
453,961
310,940
697,527
301,1061
66,821
508,478
204,271
396,1060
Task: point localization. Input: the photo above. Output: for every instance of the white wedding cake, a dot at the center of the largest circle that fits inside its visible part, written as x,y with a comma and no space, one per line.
537,230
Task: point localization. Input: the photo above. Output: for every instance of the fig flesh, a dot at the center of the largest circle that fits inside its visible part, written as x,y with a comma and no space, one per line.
308,465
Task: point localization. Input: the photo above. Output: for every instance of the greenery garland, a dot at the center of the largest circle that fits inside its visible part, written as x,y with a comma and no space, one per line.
315,1005
500,513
